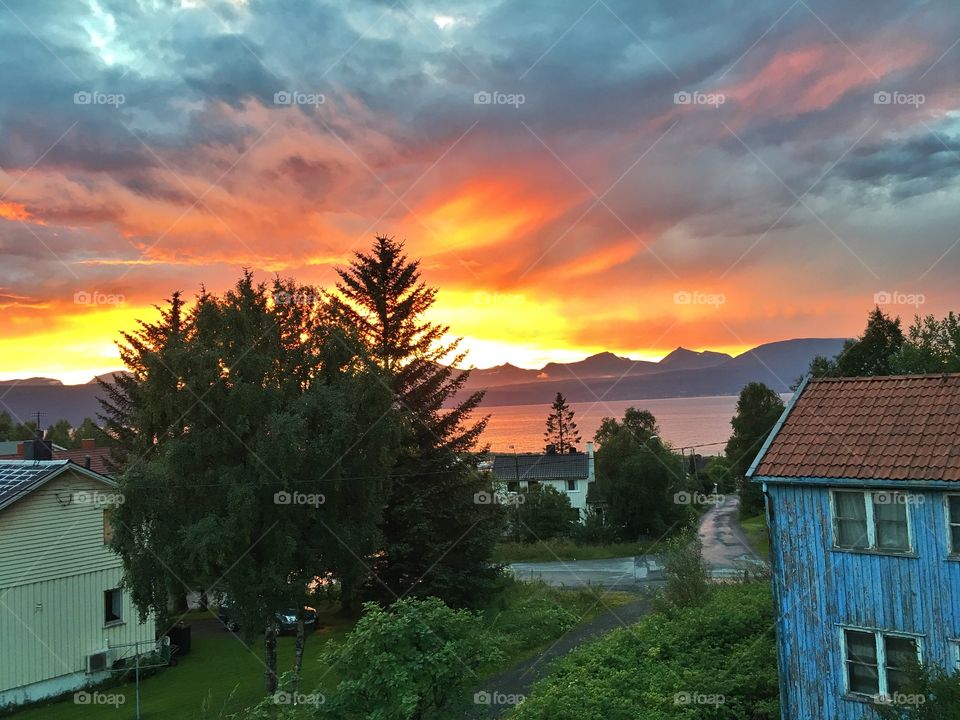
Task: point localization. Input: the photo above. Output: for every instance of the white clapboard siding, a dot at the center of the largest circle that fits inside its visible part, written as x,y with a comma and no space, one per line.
54,569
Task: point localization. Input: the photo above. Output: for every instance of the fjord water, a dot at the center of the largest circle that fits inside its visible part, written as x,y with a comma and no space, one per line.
683,422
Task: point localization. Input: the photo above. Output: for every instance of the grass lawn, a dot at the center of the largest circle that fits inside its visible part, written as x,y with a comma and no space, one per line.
563,549
756,529
221,675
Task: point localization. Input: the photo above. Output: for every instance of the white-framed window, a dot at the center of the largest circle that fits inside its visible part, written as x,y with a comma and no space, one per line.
877,662
953,523
571,485
870,520
955,654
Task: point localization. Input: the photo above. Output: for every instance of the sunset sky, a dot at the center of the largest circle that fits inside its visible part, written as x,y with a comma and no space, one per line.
645,174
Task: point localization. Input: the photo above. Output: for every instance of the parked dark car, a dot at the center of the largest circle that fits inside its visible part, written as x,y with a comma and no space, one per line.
286,618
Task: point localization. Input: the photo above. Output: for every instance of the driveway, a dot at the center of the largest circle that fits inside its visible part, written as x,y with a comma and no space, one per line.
725,548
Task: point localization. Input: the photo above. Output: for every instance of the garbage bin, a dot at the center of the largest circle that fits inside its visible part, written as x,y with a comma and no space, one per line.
179,636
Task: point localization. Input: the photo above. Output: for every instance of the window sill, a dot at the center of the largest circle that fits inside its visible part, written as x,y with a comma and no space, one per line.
113,624
880,553
865,699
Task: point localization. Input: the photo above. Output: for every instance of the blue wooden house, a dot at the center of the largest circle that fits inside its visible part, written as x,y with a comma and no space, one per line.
862,484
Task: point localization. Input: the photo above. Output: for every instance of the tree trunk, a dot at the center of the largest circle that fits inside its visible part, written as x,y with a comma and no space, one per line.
270,656
298,650
346,596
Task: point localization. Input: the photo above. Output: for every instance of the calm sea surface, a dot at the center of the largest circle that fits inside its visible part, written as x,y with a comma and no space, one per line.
694,421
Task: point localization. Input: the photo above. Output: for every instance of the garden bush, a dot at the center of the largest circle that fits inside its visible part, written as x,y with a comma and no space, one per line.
716,661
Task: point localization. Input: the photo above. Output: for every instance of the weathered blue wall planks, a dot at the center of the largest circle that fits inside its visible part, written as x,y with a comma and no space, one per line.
819,589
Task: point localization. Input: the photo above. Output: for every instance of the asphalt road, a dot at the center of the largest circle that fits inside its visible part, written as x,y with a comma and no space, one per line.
725,548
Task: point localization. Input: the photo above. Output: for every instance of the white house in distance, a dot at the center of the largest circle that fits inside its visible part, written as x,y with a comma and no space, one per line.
64,620
570,473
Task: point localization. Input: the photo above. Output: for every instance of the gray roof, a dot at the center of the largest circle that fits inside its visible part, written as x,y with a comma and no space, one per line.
507,468
20,477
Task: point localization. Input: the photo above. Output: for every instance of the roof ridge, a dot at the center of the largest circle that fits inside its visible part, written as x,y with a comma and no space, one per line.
862,378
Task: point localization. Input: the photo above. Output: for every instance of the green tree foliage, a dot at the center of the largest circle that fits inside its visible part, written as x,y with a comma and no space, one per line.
437,540
870,354
254,448
718,472
541,513
61,433
931,694
932,346
6,426
758,409
561,434
89,430
408,662
637,476
723,649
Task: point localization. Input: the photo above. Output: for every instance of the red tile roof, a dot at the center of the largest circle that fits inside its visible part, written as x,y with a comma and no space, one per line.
903,427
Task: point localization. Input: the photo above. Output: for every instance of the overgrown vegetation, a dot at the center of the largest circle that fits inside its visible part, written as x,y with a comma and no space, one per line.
713,661
932,693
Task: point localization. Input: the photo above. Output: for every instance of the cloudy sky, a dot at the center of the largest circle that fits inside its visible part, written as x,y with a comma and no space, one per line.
575,175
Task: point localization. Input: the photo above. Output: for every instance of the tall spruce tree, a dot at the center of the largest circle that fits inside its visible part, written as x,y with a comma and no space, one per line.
253,447
561,433
438,540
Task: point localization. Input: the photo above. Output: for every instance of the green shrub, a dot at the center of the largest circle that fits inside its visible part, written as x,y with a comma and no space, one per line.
542,513
685,570
594,530
665,666
931,694
411,660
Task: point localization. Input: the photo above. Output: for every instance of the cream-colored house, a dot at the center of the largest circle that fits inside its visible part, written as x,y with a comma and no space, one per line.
570,473
64,619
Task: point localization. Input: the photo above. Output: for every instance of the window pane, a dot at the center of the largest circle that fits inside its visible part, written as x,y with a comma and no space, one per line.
851,519
863,679
955,539
897,681
861,647
954,502
850,505
901,652
890,515
852,534
862,674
